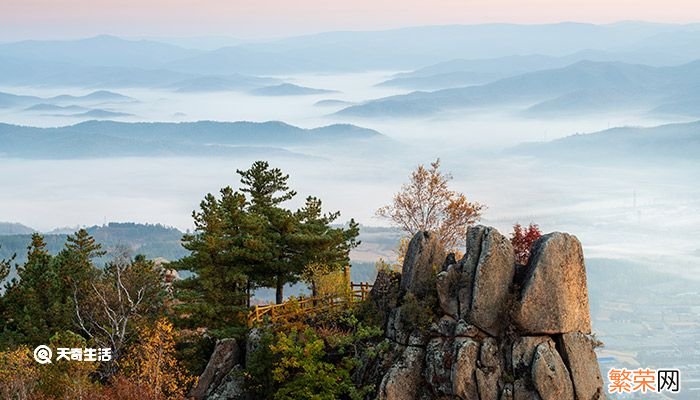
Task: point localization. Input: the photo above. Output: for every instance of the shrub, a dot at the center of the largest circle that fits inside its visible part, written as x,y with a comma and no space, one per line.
18,374
522,239
302,373
419,313
299,363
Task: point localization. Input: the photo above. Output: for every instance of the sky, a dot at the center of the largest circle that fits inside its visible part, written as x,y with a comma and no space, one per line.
34,19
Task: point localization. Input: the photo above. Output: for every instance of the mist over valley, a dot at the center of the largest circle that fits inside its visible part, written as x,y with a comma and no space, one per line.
581,128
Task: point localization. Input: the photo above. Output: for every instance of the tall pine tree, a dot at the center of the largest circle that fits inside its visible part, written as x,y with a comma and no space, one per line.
267,189
247,239
216,296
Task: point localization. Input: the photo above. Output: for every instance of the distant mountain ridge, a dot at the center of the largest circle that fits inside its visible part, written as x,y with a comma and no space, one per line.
597,85
108,61
13,228
9,100
213,83
416,47
102,50
100,95
99,114
671,142
54,108
467,72
397,49
100,139
288,89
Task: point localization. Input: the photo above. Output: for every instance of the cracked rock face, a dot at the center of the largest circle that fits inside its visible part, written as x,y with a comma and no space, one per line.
578,354
422,256
554,296
492,280
464,370
499,332
403,379
490,369
217,379
549,373
477,288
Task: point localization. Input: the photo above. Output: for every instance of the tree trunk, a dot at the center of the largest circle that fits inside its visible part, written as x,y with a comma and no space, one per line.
279,295
248,290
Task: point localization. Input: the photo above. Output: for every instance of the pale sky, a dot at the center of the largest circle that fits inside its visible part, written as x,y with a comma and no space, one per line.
20,19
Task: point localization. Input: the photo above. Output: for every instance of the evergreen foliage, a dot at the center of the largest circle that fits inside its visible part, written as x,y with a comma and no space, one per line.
5,266
40,303
246,239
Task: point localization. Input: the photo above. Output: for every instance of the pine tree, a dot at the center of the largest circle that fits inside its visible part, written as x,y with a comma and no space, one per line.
326,249
216,297
246,239
41,301
293,242
84,245
30,305
278,264
37,248
266,187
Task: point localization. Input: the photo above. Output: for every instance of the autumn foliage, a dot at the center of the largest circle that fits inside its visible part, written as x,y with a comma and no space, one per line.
66,301
522,239
149,371
151,364
426,203
18,373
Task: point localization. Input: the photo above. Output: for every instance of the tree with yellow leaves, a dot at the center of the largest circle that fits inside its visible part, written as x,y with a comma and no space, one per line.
18,374
151,363
426,203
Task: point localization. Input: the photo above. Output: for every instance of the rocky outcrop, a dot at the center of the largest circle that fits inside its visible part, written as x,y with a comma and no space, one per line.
424,253
492,280
549,374
403,379
219,379
231,388
499,331
463,376
490,369
477,328
554,295
385,293
577,351
477,288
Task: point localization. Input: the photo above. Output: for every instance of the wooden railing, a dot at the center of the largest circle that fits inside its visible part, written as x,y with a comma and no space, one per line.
276,313
360,291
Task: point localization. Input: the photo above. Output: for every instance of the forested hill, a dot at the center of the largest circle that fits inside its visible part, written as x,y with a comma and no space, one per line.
147,239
